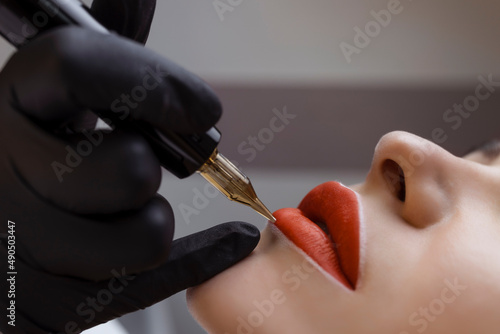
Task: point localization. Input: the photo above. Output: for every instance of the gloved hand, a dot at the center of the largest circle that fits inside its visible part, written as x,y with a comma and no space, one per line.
92,239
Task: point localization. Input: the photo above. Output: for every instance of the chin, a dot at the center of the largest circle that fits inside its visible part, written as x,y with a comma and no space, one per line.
259,285
217,303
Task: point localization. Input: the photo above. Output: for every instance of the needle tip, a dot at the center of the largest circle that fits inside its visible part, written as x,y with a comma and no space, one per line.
263,210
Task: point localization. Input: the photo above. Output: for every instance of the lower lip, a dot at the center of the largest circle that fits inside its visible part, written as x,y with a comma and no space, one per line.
336,206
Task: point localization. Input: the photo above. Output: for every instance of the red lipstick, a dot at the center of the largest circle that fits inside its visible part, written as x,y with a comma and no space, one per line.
326,227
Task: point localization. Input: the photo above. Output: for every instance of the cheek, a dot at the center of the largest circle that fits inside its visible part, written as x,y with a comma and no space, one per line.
404,272
459,276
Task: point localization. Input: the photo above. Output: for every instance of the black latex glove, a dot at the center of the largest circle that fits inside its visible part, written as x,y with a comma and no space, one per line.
78,239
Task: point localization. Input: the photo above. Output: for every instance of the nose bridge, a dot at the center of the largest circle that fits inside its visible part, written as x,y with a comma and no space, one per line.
428,171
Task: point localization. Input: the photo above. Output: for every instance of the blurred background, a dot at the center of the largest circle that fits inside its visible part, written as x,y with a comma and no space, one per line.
309,87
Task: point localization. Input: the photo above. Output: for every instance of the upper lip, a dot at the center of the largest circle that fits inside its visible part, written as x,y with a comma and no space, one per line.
334,208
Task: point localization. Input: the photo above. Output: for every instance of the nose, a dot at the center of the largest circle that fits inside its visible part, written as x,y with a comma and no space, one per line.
418,176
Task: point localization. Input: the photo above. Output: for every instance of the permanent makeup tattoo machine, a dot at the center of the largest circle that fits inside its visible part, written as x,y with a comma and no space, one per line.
181,154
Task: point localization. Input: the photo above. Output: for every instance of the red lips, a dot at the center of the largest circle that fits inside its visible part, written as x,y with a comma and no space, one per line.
337,207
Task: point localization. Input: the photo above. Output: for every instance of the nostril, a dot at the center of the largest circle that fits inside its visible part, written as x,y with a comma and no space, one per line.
395,178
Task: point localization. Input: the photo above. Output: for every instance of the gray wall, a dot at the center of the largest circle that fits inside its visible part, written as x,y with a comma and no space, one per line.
293,41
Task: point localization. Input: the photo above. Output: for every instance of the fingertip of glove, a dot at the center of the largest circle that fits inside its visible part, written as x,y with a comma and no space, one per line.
245,235
245,229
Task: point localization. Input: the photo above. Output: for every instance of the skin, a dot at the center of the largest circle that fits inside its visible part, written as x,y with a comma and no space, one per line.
428,263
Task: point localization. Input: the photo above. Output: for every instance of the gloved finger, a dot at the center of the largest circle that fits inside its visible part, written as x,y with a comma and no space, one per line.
129,18
66,71
86,121
193,260
91,246
97,172
82,304
47,303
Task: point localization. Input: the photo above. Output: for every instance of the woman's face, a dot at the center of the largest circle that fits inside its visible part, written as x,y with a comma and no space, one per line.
429,254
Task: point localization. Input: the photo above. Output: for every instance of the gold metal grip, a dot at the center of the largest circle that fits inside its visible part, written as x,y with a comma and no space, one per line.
230,181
